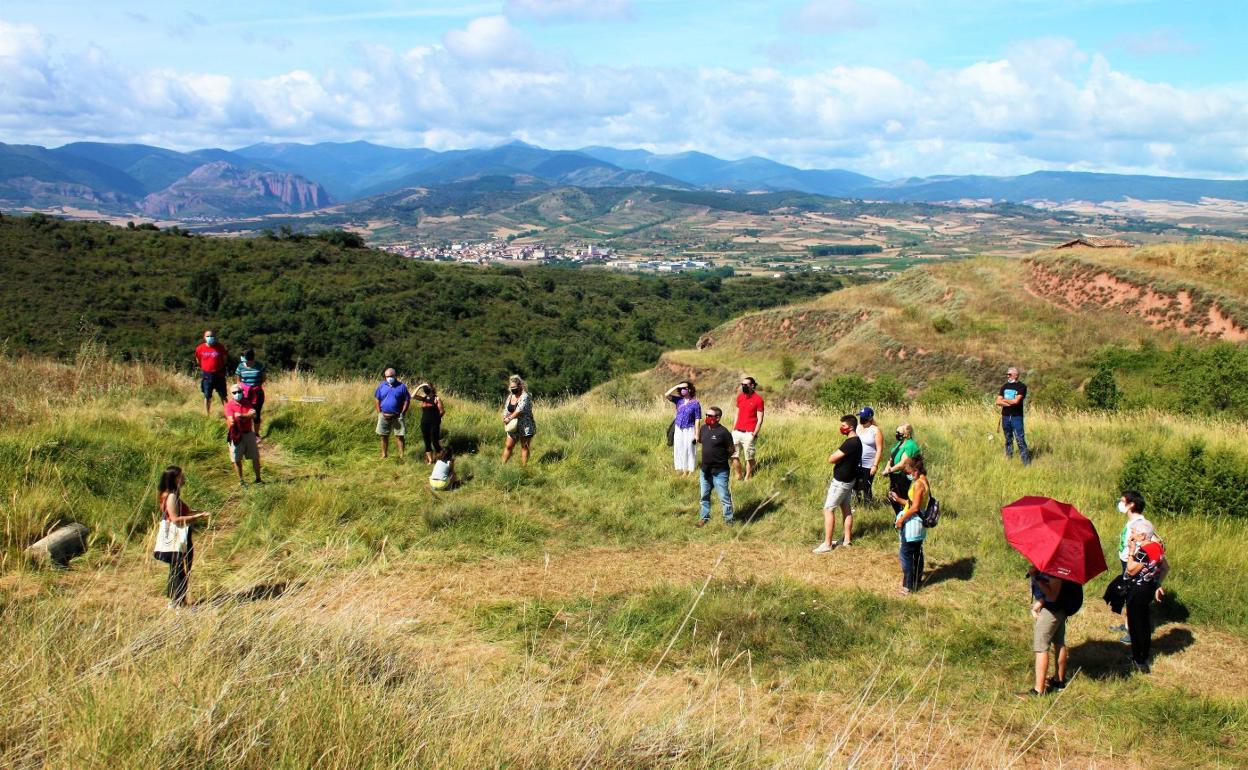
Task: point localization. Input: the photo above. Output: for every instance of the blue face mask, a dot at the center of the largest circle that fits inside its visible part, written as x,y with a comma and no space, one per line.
210,340
392,380
910,476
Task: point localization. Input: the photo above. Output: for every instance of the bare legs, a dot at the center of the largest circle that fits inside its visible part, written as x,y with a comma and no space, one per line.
829,524
511,445
385,446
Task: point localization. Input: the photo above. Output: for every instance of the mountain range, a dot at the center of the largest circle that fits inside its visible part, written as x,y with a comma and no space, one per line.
289,177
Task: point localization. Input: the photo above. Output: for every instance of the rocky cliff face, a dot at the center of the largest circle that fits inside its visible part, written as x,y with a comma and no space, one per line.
220,189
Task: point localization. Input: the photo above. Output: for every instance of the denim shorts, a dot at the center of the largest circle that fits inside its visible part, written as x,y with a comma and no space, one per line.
839,492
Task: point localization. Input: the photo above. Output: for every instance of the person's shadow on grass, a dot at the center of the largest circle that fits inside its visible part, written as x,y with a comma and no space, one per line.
1103,659
962,569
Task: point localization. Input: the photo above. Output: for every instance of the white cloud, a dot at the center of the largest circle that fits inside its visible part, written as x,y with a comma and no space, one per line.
569,10
1045,104
488,40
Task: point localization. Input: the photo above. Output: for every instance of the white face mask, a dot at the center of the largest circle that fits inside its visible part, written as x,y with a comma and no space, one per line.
392,380
1122,507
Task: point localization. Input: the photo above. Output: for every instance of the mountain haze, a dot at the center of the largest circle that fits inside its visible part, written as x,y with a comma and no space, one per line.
119,177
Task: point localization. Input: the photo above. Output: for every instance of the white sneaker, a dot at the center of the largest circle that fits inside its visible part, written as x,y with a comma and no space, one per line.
822,548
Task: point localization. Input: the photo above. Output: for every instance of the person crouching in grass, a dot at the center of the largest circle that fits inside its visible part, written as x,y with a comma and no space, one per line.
443,474
909,523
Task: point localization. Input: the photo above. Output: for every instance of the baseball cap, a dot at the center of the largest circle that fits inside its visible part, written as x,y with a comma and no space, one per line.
866,413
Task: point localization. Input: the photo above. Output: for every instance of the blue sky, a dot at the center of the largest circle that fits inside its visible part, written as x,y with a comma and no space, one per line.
887,88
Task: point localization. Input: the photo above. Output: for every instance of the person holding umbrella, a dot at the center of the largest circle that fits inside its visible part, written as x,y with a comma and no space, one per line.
1049,631
1065,553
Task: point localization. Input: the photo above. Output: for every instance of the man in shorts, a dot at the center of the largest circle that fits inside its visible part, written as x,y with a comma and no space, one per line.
240,422
213,360
845,461
748,425
392,403
1049,631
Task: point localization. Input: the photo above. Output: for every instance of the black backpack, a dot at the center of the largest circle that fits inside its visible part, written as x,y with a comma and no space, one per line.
1070,598
930,516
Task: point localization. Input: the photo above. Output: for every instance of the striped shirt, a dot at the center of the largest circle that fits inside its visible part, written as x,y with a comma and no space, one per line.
250,373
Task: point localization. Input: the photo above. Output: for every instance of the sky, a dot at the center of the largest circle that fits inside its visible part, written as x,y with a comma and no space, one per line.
892,89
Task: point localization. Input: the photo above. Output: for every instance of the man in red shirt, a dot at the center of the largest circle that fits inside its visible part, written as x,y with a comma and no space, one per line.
747,427
241,433
213,362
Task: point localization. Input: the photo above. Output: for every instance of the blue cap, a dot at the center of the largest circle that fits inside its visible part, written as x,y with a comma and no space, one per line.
866,413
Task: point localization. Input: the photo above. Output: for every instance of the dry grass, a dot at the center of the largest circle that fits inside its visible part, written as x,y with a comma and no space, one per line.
346,617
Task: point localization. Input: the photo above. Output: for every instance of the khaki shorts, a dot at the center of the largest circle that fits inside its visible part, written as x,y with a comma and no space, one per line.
743,444
245,449
391,425
1050,630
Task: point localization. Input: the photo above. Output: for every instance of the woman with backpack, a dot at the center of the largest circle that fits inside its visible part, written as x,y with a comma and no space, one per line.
173,542
909,522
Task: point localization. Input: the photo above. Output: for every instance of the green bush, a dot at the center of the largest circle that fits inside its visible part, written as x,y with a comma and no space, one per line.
1102,390
1190,480
955,388
842,393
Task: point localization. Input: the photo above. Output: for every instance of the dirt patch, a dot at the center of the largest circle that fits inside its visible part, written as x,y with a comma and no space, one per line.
1087,287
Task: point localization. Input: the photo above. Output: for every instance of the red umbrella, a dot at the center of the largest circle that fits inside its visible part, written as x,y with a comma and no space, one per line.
1055,537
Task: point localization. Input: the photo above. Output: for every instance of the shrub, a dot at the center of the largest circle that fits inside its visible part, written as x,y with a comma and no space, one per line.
842,393
941,324
1190,480
887,390
1102,390
787,367
953,388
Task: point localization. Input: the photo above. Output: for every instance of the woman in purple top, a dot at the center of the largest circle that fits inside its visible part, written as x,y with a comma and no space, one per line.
688,415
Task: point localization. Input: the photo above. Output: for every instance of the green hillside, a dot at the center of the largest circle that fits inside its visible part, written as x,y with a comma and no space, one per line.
1167,322
311,303
567,613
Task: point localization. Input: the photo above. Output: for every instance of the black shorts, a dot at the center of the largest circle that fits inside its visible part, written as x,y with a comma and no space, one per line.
209,382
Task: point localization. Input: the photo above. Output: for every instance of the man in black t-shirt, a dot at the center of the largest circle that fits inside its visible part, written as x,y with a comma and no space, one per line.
717,449
845,460
1010,398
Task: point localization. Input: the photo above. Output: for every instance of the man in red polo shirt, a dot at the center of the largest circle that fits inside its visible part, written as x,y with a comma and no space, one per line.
241,433
747,427
213,363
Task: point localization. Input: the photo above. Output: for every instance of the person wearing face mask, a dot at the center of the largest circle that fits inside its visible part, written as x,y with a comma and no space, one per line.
717,447
251,376
846,461
872,452
747,427
898,484
1131,505
685,426
393,401
909,525
518,419
241,434
1010,398
213,364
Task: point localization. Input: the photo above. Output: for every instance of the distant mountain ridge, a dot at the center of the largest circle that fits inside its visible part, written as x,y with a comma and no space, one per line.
154,181
127,178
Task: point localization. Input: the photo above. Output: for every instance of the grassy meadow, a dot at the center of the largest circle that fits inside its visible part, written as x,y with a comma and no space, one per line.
568,614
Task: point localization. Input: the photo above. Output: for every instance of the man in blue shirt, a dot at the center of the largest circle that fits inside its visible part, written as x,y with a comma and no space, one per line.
1010,398
392,403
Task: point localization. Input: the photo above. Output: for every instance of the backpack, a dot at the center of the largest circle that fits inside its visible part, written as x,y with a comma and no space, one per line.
930,516
1070,598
